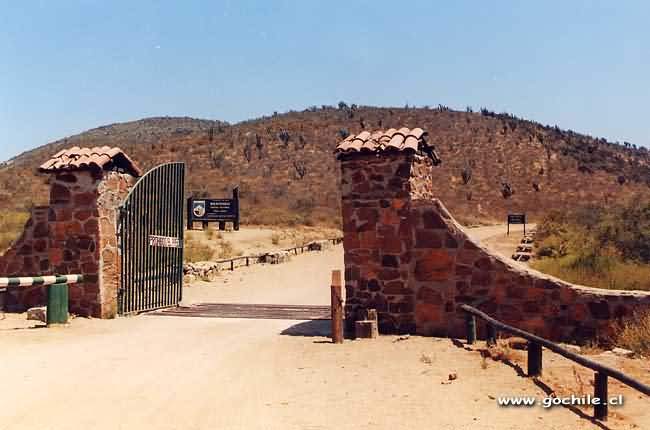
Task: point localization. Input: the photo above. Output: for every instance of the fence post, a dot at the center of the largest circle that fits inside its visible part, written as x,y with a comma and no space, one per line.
491,335
337,307
57,304
534,359
600,392
470,325
232,265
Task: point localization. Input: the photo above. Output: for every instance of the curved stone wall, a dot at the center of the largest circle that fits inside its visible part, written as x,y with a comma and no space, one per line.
406,257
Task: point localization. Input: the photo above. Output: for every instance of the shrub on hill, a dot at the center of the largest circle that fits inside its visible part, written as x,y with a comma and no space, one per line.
605,247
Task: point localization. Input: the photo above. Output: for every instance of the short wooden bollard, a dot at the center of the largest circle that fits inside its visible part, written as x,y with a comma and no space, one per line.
337,307
367,328
57,304
600,392
534,359
470,327
232,265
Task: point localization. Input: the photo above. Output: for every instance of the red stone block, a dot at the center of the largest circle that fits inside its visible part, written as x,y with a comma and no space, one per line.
72,228
429,295
56,256
85,199
437,265
427,239
41,229
481,278
431,219
40,245
428,313
388,274
462,270
59,194
83,214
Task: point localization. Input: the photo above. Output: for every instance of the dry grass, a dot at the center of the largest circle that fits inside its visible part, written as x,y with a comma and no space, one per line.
634,334
196,251
612,274
502,352
11,227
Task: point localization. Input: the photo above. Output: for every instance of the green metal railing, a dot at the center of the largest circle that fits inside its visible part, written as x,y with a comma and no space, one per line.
57,293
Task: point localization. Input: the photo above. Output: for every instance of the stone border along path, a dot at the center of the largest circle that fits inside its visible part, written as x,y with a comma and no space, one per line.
524,251
208,270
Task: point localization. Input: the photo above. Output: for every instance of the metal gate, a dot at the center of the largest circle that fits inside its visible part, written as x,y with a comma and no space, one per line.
150,232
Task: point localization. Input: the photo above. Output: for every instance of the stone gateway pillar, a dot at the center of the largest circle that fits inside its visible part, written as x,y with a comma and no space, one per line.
407,257
86,188
87,185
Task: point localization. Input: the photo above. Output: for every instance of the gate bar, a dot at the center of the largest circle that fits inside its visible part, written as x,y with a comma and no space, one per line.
57,293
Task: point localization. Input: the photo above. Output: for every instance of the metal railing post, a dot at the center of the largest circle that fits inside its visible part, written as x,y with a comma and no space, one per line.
534,359
491,335
470,326
600,392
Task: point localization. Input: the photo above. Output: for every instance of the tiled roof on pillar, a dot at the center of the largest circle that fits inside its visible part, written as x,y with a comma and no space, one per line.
103,158
403,139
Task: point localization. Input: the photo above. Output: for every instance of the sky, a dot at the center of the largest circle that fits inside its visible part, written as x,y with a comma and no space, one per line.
68,66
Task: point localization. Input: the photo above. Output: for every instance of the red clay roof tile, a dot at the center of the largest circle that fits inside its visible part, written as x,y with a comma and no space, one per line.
392,139
76,158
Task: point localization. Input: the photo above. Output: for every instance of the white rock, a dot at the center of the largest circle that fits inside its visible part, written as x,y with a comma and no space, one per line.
623,352
37,314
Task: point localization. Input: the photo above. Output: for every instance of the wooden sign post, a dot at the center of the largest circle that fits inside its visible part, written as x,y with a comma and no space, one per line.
516,219
214,210
337,307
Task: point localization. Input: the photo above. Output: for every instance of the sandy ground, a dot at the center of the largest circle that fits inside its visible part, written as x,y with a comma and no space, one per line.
208,373
254,240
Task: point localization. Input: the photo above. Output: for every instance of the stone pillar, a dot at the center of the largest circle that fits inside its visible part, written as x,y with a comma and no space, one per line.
378,235
83,220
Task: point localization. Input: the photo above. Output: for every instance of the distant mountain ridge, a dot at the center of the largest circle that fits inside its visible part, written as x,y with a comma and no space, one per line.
287,173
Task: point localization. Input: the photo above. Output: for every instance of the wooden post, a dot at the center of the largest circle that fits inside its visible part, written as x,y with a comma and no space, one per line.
232,265
600,392
491,335
470,322
57,304
235,197
534,359
246,261
337,307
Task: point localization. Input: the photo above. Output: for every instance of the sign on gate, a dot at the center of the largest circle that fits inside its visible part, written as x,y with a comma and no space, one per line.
165,241
517,219
214,210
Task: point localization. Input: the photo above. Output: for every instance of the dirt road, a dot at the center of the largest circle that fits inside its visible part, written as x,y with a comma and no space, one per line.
206,373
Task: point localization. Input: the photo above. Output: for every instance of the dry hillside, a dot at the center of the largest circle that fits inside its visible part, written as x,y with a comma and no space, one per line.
284,164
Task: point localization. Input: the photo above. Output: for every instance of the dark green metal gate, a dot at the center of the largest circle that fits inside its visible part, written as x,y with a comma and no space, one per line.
151,241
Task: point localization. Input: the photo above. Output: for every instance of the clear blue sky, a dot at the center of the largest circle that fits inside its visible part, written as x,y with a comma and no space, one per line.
66,66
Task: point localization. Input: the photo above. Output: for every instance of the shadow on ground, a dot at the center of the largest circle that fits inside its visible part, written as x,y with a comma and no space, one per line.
320,328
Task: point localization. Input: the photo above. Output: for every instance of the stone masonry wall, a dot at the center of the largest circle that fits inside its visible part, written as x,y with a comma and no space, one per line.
408,258
76,234
27,255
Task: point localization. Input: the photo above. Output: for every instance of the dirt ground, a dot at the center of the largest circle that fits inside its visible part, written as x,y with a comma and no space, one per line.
255,240
206,373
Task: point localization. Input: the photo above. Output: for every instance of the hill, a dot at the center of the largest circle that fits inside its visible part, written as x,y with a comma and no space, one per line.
285,167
